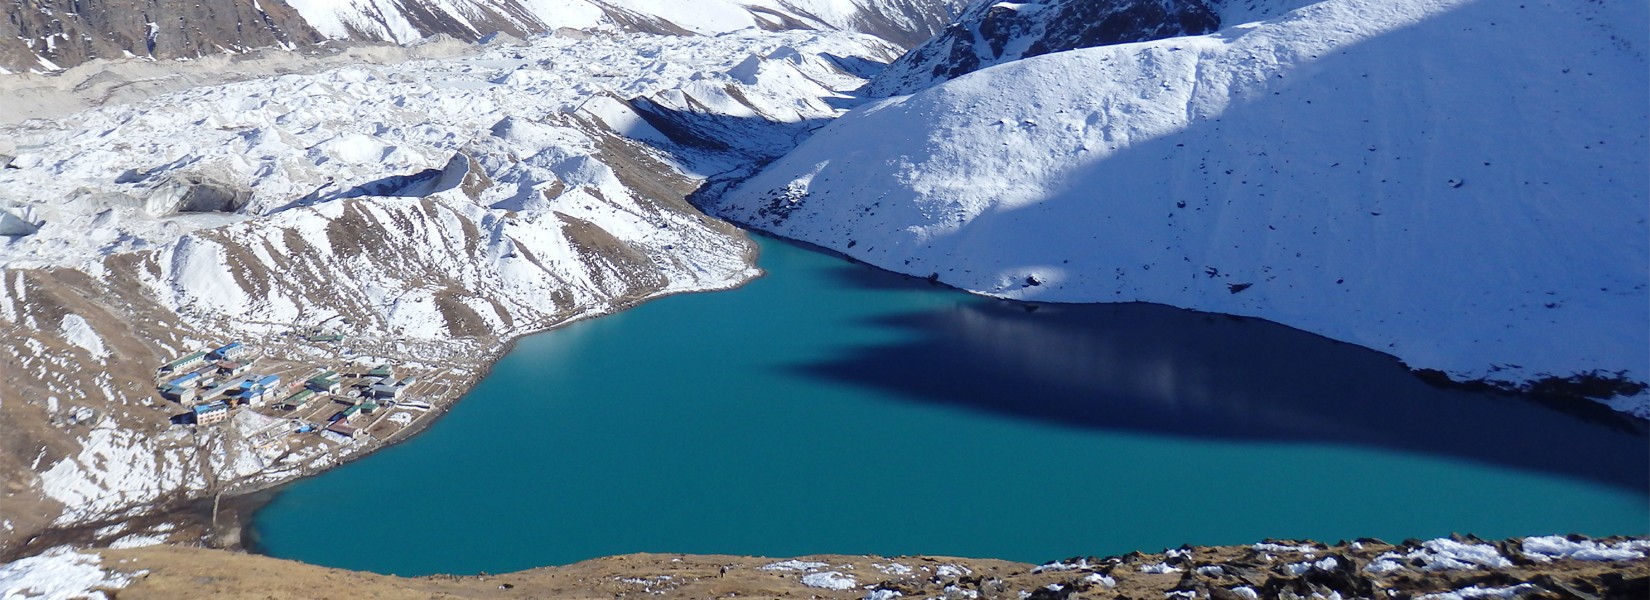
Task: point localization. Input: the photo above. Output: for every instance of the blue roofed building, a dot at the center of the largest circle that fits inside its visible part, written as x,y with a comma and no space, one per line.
207,414
188,380
229,351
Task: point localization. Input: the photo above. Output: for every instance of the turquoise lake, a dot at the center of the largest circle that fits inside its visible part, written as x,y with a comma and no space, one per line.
832,408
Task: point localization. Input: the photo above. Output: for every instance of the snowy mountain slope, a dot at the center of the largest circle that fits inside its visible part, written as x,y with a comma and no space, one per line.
901,21
991,32
308,138
46,36
440,207
1461,184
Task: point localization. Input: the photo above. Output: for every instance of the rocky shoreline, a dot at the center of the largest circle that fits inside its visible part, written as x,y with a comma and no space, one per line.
1441,569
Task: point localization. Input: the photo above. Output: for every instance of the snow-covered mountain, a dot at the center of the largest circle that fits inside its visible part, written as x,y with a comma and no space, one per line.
439,207
902,21
989,32
52,34
1462,184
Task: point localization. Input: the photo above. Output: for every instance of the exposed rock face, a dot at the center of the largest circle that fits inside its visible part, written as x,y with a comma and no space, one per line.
46,34
995,32
905,22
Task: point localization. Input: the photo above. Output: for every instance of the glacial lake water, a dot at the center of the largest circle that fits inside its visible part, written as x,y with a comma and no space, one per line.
832,408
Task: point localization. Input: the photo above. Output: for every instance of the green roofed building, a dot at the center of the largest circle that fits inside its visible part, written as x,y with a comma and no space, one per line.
325,382
298,400
185,362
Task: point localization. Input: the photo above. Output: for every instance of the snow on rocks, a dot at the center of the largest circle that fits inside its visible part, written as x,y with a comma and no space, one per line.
1479,591
830,580
139,541
1100,579
1441,555
1067,565
948,570
794,565
1324,169
59,574
1554,547
115,470
1278,548
1327,564
893,568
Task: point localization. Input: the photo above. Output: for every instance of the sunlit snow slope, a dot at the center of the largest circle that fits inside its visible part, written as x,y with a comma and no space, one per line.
1459,183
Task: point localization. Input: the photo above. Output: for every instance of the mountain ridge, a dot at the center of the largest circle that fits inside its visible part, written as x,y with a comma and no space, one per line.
49,35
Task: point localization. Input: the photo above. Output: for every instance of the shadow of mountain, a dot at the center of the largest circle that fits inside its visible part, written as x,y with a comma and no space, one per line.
863,68
753,137
411,185
1235,198
1160,370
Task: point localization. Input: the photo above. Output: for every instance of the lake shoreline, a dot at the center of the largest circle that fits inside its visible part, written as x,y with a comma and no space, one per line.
241,503
1268,569
224,527
791,364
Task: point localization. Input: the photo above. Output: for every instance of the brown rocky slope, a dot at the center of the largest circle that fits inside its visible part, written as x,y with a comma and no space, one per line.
1551,567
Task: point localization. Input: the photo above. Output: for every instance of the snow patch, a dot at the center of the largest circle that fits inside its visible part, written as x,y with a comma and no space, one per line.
794,565
77,331
59,574
830,580
1482,592
1554,547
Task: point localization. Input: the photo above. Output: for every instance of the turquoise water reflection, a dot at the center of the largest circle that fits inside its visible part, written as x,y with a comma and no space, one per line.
828,407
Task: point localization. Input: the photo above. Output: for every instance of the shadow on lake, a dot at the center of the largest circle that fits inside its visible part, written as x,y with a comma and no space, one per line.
1159,370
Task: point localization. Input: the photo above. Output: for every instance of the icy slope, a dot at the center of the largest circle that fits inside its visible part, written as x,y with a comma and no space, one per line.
1462,184
438,207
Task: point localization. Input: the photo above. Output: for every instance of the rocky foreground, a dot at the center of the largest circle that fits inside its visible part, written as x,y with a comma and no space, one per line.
1447,568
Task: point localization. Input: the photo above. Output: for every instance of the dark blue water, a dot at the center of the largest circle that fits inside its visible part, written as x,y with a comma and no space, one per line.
830,407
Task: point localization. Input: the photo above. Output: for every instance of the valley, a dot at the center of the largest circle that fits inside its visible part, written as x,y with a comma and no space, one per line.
1404,237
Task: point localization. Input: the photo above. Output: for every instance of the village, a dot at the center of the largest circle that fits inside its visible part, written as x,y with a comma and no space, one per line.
331,404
